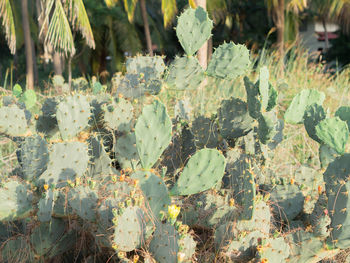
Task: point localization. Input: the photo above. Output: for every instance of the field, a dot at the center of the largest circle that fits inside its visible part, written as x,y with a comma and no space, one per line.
244,161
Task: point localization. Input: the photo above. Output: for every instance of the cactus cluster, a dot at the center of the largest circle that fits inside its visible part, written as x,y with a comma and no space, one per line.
99,176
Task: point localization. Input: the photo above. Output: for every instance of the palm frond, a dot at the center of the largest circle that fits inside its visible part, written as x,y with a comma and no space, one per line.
111,3
59,34
169,11
45,16
80,21
9,24
130,6
296,6
192,3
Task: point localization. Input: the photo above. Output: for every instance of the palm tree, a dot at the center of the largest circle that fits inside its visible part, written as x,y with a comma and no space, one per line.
29,47
169,10
331,10
8,24
278,8
57,17
57,27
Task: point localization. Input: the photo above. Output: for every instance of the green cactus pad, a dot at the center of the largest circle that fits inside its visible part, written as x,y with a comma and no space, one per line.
274,250
296,110
185,73
65,244
264,86
305,247
327,155
16,250
310,181
337,182
130,229
333,132
236,246
205,132
119,115
13,121
253,100
45,206
344,114
17,91
314,114
83,200
207,210
155,191
131,86
202,172
183,109
164,246
153,133
287,201
187,246
260,219
73,115
234,119
100,163
319,218
126,151
16,200
29,98
266,129
151,67
34,157
193,29
229,61
46,235
66,160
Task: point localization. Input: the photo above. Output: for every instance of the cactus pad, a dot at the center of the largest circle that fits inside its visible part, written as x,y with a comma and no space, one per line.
153,133
202,172
73,115
296,110
193,29
229,61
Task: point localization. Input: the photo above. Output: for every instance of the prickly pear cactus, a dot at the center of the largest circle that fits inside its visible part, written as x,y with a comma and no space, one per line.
16,200
202,172
153,133
73,115
299,104
193,29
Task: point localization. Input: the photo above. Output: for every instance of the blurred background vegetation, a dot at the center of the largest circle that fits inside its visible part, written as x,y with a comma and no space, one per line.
40,38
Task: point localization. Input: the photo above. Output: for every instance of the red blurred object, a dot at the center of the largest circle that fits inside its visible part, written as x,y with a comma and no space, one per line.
321,36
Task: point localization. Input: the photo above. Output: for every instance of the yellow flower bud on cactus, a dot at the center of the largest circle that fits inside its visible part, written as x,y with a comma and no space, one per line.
115,247
77,181
173,211
46,186
181,256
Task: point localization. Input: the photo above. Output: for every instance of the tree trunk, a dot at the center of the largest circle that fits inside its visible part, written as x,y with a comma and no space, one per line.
146,27
280,22
326,39
57,63
28,45
35,66
202,53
